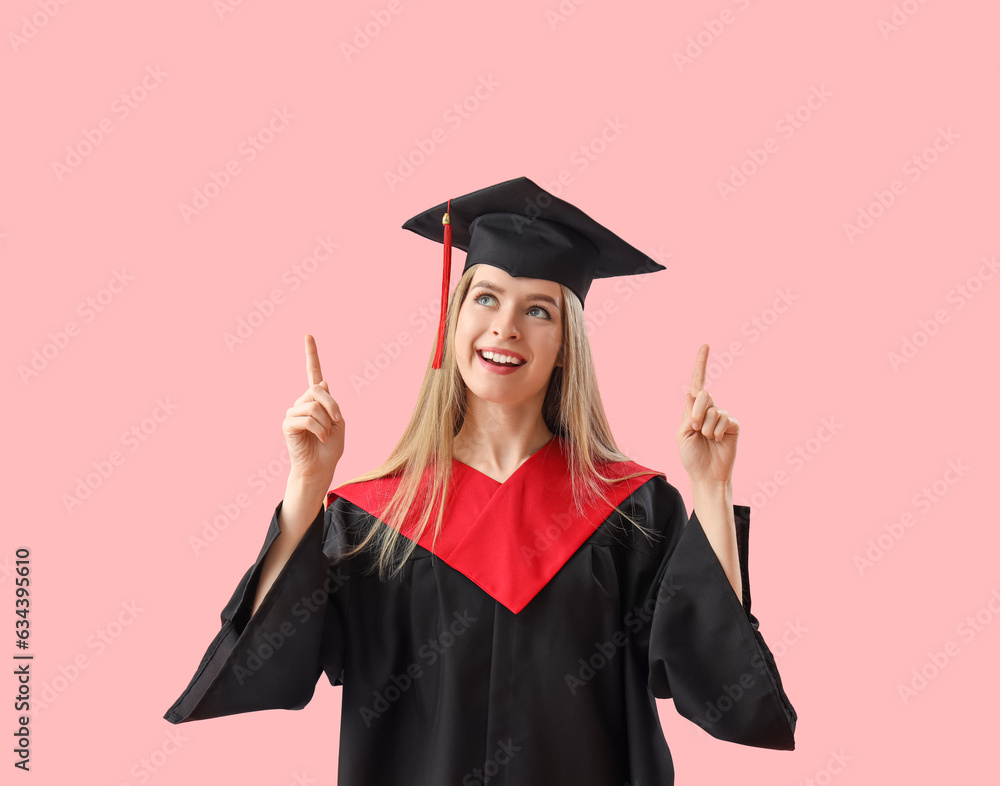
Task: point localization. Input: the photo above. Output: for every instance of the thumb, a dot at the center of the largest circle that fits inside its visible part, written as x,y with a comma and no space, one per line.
325,385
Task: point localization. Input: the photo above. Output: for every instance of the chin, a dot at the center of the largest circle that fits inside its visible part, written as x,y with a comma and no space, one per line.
493,393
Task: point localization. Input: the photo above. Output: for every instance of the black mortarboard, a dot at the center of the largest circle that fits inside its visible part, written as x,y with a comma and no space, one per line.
524,230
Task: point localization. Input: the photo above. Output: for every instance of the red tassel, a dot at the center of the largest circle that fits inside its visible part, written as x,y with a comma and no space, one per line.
445,282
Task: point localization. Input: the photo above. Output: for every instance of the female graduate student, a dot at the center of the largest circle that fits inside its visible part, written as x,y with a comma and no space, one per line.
504,599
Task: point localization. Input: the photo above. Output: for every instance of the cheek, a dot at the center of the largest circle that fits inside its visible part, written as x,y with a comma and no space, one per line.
469,325
464,336
548,338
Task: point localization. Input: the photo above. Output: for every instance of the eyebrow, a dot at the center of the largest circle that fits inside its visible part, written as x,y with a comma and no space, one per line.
500,290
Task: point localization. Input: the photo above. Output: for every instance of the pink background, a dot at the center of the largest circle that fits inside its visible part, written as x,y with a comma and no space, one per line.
846,638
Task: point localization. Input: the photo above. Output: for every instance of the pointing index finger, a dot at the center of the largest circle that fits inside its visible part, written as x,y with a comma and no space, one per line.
698,375
313,371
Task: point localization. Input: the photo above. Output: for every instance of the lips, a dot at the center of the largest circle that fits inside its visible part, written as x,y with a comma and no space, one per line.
493,361
494,368
500,351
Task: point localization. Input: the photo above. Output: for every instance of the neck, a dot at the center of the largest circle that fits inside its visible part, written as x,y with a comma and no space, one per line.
497,438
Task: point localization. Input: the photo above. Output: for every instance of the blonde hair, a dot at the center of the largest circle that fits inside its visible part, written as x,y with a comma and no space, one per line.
572,409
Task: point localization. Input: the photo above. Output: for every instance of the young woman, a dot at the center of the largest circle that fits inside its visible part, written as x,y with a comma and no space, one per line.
506,596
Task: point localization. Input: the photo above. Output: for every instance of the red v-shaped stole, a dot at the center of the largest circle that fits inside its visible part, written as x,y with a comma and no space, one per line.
509,538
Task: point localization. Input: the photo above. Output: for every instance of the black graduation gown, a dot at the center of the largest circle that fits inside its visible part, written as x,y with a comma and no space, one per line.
544,673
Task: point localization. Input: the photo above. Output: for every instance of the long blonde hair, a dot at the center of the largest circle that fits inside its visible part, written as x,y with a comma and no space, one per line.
572,409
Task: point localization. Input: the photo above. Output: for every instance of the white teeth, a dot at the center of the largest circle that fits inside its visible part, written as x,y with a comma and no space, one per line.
507,359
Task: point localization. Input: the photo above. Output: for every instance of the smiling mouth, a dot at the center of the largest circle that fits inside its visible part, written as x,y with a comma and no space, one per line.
495,363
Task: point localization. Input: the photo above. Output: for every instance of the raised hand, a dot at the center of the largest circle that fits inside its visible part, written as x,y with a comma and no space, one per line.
707,435
314,427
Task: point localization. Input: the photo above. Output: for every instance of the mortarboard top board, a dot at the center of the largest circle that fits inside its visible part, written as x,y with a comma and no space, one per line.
524,230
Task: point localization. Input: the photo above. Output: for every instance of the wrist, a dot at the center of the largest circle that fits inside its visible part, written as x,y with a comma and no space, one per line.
712,485
307,487
712,490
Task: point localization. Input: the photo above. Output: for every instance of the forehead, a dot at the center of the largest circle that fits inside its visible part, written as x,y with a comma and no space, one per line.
518,283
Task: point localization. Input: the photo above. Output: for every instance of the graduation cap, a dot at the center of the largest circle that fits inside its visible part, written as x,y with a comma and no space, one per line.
524,230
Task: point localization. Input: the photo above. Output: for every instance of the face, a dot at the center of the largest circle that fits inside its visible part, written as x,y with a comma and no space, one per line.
516,316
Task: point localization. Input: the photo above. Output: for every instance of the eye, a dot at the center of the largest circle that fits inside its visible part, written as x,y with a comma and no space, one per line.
481,295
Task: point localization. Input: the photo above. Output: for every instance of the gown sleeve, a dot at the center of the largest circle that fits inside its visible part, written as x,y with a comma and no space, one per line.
705,648
273,659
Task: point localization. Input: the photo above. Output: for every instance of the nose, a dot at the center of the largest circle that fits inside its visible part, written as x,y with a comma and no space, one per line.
505,324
